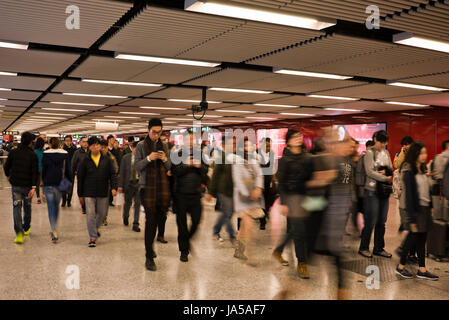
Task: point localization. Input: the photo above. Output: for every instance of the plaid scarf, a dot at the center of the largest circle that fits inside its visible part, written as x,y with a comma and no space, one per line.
157,189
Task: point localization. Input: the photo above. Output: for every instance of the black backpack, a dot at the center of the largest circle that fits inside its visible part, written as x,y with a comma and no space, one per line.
445,182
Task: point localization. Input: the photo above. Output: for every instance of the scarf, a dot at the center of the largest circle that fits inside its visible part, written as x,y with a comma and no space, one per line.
157,189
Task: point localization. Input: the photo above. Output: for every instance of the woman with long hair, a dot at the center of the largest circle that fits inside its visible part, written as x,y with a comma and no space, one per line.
416,198
55,167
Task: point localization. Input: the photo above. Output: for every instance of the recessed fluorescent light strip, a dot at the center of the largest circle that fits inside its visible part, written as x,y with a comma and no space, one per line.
235,111
91,95
124,56
416,86
275,105
408,39
2,73
5,89
79,104
240,11
162,108
240,90
141,113
125,83
190,101
298,114
69,110
344,110
407,104
12,45
331,97
311,74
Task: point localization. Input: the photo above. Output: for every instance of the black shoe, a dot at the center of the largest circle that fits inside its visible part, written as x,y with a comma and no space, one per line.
154,255
404,273
111,205
98,234
365,253
150,265
161,240
69,204
63,205
262,227
427,275
184,257
383,253
412,260
125,222
136,229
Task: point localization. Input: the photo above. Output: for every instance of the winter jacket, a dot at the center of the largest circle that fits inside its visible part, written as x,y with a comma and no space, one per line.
21,167
52,164
188,179
294,171
78,157
221,181
93,181
39,153
70,150
141,161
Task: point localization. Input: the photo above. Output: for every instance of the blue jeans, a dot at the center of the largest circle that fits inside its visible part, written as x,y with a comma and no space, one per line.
19,198
375,215
53,196
227,210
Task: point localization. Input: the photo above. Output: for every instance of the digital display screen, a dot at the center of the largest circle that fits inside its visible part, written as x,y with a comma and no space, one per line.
360,132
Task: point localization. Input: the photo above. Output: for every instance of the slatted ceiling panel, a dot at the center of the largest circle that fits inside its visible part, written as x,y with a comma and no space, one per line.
110,69
176,93
75,99
239,97
301,101
328,49
230,78
25,95
437,80
438,99
374,91
373,106
31,83
19,103
41,105
97,88
44,21
39,62
248,40
167,32
121,108
408,69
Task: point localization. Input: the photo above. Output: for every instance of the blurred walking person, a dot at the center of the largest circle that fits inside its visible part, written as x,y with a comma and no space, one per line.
78,157
71,149
21,170
108,153
39,151
55,167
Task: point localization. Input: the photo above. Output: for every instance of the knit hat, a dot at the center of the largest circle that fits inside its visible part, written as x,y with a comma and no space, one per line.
154,122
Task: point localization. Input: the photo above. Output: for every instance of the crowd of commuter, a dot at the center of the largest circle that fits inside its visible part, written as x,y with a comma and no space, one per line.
319,191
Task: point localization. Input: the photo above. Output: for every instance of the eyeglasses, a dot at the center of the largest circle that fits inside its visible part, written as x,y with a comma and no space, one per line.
155,132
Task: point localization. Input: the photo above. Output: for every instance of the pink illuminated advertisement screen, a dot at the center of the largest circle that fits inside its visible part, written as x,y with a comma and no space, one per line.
360,132
277,137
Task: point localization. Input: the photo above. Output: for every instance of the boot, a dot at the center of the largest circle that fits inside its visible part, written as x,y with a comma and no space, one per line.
302,271
239,251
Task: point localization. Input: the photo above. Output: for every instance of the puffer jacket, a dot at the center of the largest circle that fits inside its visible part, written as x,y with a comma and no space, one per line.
21,167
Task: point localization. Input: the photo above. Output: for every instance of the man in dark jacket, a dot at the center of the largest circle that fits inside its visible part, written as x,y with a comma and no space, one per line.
95,174
128,149
79,157
129,184
115,151
189,175
21,169
70,148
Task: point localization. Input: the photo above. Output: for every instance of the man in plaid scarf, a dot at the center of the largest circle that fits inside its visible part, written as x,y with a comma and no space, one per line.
152,162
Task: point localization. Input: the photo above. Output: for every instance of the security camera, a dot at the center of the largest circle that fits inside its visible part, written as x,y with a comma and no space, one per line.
201,107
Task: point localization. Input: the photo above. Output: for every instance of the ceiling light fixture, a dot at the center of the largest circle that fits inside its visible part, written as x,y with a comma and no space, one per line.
260,118
54,114
274,16
191,101
125,83
235,111
415,86
274,105
72,110
412,114
236,121
240,90
12,45
298,114
163,108
310,74
79,104
407,104
92,95
331,97
3,73
5,89
124,56
344,110
121,117
408,39
142,113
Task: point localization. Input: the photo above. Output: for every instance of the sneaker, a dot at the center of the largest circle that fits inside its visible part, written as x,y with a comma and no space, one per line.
111,205
92,243
39,201
98,234
69,204
150,265
136,229
365,253
383,253
184,257
278,256
54,238
219,238
105,223
125,221
427,275
19,238
404,273
27,232
63,205
154,255
302,271
262,227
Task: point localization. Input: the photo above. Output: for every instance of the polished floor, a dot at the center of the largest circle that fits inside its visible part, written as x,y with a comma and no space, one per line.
115,268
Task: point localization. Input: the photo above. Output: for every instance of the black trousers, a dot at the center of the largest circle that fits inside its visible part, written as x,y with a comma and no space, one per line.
152,220
161,226
67,196
415,240
187,204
